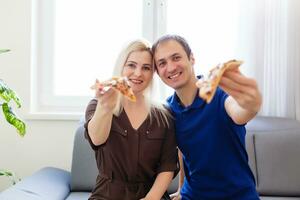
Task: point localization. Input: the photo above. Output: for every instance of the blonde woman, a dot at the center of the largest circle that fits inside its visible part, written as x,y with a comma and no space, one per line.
134,142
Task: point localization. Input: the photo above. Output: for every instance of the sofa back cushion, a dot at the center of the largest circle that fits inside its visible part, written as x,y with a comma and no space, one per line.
276,144
251,152
84,169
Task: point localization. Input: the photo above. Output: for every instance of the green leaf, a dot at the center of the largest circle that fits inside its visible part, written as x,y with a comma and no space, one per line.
11,118
5,173
10,175
4,50
7,94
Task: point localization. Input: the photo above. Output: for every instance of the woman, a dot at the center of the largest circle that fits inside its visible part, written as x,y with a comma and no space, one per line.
134,142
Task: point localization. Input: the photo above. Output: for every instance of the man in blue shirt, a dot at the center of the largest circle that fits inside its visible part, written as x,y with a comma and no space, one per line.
211,137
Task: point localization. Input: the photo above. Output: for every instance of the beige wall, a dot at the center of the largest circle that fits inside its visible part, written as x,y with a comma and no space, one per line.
48,142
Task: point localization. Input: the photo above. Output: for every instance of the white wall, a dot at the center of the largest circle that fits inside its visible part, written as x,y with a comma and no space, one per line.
47,142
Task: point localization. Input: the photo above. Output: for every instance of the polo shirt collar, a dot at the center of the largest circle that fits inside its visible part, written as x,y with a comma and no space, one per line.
177,106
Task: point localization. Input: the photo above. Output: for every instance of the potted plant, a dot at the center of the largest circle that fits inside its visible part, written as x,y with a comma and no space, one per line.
6,95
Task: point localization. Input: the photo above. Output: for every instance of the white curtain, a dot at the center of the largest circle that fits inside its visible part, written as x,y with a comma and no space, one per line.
269,43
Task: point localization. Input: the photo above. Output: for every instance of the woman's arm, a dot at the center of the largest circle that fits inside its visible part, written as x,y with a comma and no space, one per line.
160,186
100,124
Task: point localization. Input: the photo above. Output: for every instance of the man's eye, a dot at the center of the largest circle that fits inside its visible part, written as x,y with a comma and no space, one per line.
176,58
161,64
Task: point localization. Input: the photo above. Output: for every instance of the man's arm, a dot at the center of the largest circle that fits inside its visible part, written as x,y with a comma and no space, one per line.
176,196
245,99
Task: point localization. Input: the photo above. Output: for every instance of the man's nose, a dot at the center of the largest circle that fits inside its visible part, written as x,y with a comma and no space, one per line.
171,67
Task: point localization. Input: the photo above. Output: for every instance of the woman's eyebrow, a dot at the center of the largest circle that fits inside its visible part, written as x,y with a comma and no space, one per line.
130,61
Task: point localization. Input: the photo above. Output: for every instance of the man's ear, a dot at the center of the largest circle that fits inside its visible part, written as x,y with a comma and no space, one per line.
192,59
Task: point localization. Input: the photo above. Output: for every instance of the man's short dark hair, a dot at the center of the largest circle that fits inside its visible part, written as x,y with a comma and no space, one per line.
176,38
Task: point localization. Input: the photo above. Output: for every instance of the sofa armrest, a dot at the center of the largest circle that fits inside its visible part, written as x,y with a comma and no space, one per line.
46,184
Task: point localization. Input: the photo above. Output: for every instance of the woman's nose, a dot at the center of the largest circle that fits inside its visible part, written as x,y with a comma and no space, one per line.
137,71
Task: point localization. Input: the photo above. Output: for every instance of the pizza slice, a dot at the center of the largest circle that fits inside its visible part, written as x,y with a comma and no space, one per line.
208,86
121,84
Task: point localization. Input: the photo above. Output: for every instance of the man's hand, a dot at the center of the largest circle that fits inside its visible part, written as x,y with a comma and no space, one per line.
176,196
245,99
243,89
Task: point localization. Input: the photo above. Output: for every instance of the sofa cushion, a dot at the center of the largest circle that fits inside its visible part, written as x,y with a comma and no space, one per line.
84,168
78,196
262,124
48,183
279,198
277,149
251,152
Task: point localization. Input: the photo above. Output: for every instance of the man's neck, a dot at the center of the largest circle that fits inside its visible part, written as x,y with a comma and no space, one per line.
187,93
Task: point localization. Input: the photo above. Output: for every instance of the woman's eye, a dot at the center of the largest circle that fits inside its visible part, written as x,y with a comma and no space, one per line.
131,65
147,68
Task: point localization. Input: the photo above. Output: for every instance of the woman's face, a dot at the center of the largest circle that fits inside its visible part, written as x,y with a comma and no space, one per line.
139,70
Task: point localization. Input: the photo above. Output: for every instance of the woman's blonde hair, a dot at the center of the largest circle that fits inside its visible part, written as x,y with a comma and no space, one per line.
138,46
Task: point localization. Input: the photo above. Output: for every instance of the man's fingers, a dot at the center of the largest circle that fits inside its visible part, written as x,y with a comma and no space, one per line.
250,89
200,82
229,83
239,78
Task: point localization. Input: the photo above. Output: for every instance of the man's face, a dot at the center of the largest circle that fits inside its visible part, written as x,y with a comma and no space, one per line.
173,65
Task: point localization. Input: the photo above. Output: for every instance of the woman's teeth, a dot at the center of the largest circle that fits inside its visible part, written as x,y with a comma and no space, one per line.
136,81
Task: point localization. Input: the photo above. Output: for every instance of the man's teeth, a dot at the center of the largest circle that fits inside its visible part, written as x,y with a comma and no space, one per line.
174,76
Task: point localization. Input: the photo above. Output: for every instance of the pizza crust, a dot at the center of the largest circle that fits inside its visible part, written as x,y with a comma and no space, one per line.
207,87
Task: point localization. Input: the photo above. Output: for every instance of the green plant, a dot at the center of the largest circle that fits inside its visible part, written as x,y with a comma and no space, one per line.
13,178
6,95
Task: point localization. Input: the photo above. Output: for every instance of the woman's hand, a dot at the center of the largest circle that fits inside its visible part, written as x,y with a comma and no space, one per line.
107,96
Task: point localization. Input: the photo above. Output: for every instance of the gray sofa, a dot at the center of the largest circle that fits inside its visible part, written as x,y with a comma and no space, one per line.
273,146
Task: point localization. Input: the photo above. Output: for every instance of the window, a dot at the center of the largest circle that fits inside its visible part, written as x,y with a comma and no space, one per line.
209,26
75,42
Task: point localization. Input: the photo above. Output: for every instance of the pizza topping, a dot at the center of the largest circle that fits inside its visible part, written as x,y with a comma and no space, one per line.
209,86
119,83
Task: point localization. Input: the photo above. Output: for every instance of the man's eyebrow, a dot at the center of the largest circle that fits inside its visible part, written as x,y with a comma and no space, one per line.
174,54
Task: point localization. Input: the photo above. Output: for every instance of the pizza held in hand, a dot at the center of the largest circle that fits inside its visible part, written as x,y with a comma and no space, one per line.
120,84
208,86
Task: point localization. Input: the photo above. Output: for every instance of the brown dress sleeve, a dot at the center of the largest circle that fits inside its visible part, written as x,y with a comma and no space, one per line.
89,113
169,157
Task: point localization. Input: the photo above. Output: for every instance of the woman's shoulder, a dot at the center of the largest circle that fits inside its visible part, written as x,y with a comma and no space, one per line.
159,108
162,114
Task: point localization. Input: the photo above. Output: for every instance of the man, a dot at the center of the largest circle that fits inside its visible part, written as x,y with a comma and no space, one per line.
211,137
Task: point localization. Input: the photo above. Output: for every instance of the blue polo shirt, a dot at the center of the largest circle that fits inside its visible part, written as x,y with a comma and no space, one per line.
213,147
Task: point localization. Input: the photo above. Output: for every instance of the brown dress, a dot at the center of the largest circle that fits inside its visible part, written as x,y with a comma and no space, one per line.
129,161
